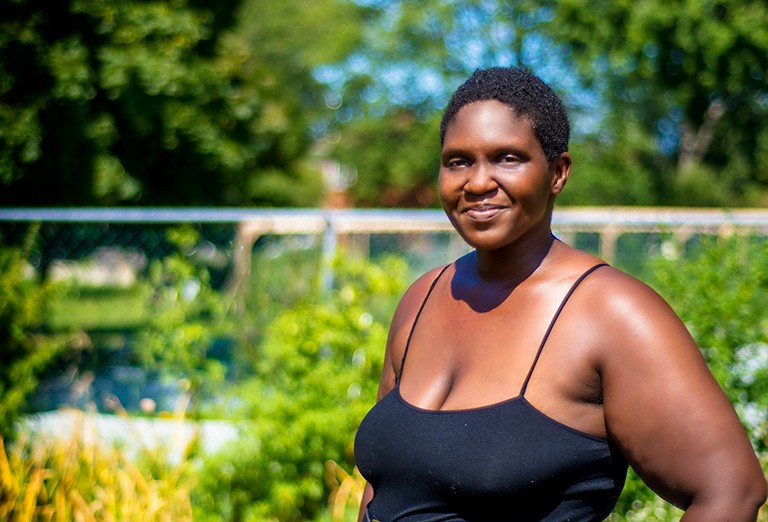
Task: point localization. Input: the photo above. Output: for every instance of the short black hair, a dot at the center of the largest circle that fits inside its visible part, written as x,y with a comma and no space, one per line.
526,94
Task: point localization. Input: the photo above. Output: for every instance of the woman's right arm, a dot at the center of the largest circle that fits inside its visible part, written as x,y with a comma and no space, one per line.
397,338
367,497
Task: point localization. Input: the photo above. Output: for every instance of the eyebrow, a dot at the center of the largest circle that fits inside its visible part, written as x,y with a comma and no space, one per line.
500,149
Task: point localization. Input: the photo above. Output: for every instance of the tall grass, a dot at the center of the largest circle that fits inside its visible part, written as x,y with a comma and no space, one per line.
76,480
346,492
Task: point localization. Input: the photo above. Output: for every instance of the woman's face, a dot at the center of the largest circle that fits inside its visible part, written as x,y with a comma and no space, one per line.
496,185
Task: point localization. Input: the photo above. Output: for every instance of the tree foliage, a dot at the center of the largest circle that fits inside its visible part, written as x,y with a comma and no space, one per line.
689,76
667,99
394,159
230,103
396,82
163,102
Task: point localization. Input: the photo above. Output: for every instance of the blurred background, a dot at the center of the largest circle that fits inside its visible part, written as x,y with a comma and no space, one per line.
208,211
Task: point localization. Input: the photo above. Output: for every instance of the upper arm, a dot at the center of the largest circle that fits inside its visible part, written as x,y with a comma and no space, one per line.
400,328
662,406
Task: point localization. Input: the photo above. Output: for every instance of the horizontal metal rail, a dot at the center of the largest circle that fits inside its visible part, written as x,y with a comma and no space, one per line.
390,220
608,222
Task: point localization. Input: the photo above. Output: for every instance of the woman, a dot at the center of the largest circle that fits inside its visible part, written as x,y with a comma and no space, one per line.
521,379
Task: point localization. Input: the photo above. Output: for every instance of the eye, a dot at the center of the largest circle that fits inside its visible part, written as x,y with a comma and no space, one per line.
456,162
509,158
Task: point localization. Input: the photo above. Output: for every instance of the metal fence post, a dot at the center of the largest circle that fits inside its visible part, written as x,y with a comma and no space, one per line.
329,252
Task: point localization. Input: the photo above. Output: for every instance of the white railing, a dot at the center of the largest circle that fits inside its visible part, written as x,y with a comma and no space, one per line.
609,223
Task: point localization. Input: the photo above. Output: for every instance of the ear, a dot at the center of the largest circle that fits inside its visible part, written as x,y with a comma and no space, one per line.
561,170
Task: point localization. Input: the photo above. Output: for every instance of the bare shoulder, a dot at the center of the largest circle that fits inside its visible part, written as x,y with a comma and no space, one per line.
627,324
662,406
415,294
402,320
637,335
621,303
610,300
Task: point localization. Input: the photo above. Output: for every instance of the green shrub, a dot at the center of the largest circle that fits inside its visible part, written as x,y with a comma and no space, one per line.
316,378
283,272
185,317
720,291
25,346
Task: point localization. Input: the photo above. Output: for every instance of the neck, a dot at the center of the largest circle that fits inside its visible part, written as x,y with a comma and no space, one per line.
514,265
484,280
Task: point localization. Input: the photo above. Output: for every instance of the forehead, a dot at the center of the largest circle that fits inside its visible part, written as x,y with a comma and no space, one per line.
488,121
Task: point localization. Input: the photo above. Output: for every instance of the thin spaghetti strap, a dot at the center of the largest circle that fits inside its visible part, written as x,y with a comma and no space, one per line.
552,324
416,319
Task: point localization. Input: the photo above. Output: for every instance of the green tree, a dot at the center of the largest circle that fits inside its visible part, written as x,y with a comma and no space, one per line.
411,59
667,99
163,102
688,76
395,159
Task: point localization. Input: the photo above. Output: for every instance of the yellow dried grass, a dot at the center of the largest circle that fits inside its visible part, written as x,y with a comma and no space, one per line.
346,491
74,480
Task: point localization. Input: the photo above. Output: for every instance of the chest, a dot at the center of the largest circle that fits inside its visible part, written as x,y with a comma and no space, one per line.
460,357
502,454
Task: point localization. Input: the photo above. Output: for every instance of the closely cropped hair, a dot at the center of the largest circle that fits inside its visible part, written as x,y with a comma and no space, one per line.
526,94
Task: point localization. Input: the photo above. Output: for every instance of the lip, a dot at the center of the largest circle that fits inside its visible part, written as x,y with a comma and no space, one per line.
483,212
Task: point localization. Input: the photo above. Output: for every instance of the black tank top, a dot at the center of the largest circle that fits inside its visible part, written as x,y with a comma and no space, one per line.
502,462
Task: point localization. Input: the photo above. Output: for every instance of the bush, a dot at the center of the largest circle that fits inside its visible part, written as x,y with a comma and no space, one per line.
316,378
25,346
186,318
720,291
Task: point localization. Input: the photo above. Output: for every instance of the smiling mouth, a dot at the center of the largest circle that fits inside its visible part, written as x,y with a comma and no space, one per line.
483,212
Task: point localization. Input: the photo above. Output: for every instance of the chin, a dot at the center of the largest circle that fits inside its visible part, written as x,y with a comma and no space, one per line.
487,242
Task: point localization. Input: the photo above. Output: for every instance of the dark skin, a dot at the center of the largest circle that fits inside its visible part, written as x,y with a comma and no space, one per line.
619,363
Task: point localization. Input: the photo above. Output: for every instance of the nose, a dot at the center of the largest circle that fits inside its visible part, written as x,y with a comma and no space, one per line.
480,179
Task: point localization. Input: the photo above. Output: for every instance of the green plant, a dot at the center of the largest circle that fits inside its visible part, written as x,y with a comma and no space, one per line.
720,290
316,377
186,316
25,346
283,272
63,480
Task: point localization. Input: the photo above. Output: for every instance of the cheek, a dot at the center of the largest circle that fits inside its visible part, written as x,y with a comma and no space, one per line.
443,185
536,186
446,193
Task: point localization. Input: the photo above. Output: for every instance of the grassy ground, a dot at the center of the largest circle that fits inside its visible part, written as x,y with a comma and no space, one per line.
78,309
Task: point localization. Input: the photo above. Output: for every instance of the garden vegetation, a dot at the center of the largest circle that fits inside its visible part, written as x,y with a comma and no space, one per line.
305,373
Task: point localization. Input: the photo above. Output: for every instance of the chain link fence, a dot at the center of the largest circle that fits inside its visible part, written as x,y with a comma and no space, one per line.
424,237
105,253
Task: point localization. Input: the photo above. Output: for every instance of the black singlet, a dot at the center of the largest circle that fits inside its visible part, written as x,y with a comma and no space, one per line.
502,462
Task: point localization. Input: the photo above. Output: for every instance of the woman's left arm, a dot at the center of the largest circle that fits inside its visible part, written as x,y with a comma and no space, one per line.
667,413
